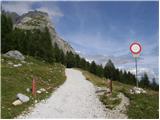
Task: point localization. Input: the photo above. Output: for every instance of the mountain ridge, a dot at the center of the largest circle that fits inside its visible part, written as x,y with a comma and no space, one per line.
40,20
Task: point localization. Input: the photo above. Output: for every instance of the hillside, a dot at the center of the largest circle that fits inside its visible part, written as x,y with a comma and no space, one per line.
142,106
17,79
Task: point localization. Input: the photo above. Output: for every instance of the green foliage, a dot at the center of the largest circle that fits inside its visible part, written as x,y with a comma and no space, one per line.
154,85
93,67
110,101
144,81
70,61
6,30
143,106
112,73
109,70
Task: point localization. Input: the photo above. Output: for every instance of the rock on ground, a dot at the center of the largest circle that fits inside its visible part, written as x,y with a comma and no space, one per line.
137,90
15,54
22,97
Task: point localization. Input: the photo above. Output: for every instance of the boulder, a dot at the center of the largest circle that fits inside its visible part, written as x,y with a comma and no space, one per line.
15,54
17,102
22,97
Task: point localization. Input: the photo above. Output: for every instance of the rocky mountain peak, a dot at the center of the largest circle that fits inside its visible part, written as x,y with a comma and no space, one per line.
40,20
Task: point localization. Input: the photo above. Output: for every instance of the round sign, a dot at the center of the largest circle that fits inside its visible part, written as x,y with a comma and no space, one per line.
135,48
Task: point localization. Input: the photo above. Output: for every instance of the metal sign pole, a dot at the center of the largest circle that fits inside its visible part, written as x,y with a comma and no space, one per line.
136,69
135,49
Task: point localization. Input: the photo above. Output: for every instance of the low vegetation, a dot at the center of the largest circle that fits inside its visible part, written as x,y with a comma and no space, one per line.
110,101
101,82
144,106
17,79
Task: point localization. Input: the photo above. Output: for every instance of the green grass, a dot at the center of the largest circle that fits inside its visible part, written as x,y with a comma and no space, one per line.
110,101
142,106
101,82
16,80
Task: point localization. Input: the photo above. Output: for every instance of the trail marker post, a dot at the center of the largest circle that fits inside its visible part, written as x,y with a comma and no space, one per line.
33,87
136,49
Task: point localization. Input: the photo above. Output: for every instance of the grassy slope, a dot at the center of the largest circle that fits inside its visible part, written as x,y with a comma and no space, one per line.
141,105
16,80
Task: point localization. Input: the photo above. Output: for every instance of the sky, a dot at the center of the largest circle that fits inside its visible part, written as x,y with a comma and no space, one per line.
103,28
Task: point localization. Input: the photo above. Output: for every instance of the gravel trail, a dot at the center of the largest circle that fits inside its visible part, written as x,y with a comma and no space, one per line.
76,98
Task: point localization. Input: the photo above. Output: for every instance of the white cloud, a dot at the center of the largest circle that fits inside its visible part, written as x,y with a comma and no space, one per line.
18,7
21,7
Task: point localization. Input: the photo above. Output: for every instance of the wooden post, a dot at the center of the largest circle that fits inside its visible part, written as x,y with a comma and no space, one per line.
33,87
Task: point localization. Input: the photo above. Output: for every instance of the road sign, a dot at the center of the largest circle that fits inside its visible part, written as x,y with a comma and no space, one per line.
135,48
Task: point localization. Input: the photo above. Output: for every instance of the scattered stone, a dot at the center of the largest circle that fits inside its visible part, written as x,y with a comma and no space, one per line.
23,61
15,54
17,102
39,92
22,97
46,91
136,90
36,101
31,63
17,65
42,90
28,90
10,63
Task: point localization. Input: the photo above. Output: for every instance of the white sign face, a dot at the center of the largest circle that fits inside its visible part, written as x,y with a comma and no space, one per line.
135,48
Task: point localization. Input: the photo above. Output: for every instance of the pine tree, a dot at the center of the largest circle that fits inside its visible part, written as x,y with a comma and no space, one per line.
6,33
144,81
109,70
93,67
154,85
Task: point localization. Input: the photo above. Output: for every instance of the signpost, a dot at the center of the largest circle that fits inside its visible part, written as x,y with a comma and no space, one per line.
136,49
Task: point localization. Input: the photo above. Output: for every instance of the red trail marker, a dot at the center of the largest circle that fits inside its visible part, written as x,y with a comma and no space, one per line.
33,87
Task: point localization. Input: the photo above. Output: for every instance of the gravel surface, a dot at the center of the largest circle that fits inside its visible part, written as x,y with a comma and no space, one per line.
76,98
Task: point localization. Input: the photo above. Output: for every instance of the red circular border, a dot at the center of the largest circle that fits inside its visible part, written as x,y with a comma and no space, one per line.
138,45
